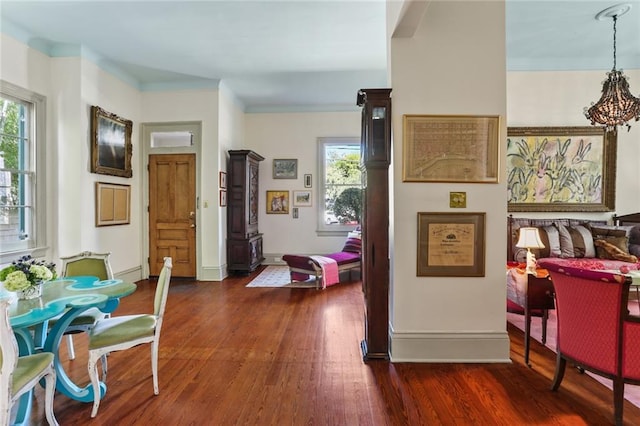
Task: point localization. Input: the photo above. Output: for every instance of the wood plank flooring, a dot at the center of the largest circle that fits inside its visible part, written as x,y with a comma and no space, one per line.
231,355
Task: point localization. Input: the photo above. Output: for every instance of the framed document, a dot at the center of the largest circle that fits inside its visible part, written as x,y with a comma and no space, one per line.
451,244
450,148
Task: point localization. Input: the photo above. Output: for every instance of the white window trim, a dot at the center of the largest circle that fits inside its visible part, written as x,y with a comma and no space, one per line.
39,246
324,229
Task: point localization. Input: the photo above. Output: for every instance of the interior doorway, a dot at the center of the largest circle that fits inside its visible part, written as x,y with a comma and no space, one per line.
172,213
170,195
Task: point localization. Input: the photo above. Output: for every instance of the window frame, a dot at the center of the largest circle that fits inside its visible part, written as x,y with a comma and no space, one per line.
322,228
36,245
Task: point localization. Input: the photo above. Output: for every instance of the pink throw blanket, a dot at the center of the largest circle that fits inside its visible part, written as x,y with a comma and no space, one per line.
330,274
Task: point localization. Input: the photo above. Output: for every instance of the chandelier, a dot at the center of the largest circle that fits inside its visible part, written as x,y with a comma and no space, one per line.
617,106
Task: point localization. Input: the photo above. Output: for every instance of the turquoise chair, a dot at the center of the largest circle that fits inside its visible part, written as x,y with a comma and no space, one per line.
19,374
126,331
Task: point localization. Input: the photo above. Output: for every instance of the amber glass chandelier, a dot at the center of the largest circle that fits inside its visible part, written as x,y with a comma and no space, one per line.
617,106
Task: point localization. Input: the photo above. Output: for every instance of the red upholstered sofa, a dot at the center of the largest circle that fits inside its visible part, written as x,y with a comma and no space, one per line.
303,267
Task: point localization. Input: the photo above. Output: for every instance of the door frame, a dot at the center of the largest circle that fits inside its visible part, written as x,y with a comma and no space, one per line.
195,127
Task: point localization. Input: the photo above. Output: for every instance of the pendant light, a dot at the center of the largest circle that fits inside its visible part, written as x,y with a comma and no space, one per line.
617,106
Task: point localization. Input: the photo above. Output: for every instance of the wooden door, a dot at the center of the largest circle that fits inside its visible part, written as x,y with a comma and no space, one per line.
172,213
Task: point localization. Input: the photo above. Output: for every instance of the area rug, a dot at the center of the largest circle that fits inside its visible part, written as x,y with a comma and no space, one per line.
278,277
631,392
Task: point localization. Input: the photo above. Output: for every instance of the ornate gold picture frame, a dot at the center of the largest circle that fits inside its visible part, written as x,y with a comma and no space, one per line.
277,202
552,169
451,244
450,148
110,143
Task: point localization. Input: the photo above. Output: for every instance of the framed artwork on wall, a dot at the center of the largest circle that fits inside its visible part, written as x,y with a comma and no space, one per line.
302,198
561,169
110,143
113,204
308,182
223,198
277,202
222,180
285,168
451,244
450,148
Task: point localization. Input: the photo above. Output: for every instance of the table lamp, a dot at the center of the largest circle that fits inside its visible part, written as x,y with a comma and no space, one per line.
530,238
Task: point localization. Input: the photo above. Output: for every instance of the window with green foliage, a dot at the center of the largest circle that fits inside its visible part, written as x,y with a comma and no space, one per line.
340,191
21,137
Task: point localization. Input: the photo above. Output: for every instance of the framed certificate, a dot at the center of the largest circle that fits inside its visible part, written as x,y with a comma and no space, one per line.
451,244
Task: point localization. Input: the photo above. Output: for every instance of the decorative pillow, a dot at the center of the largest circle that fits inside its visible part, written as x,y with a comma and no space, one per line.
353,245
613,251
634,249
575,242
610,231
550,237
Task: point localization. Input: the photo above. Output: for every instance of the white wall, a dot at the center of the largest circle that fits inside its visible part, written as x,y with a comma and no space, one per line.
294,135
558,99
454,64
199,106
231,136
71,86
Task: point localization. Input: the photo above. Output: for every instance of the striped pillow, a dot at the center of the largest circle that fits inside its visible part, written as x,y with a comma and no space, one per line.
576,241
353,245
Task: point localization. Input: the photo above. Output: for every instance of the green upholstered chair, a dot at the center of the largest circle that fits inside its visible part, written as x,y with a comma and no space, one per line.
85,263
18,374
124,332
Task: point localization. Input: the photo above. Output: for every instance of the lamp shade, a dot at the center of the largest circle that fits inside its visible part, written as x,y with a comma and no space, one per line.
529,237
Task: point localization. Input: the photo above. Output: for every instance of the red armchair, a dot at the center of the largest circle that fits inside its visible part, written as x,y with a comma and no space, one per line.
595,330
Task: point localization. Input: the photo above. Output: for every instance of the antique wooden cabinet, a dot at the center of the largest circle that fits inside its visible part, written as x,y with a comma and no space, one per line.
376,157
244,241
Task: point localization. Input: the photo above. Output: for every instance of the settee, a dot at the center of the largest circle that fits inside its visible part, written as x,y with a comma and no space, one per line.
577,243
303,267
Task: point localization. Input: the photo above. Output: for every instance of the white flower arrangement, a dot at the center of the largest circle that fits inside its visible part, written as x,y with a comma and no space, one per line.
26,272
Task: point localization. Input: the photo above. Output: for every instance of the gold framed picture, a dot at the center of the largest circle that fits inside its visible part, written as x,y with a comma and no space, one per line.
277,202
451,244
450,148
110,143
561,169
113,204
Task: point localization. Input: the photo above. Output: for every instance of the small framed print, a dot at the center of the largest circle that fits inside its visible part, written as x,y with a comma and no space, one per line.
302,198
222,180
285,168
457,200
277,202
295,212
223,198
307,181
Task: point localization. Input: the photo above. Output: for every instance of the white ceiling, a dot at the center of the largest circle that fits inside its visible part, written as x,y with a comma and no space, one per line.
293,54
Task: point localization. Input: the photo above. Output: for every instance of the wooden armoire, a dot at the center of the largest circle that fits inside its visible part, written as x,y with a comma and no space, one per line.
244,240
375,154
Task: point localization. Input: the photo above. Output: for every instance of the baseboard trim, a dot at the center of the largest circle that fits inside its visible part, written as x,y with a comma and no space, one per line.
450,347
130,275
214,273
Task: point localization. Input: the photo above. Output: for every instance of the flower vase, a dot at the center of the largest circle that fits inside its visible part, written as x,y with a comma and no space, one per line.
31,292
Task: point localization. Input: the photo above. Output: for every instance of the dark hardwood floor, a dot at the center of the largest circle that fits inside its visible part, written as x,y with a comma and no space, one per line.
260,356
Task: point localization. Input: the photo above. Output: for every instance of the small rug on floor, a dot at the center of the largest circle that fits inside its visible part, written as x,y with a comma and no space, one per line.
631,392
278,276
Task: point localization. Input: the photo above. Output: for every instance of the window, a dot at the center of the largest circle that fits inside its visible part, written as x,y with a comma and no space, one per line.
340,185
21,162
